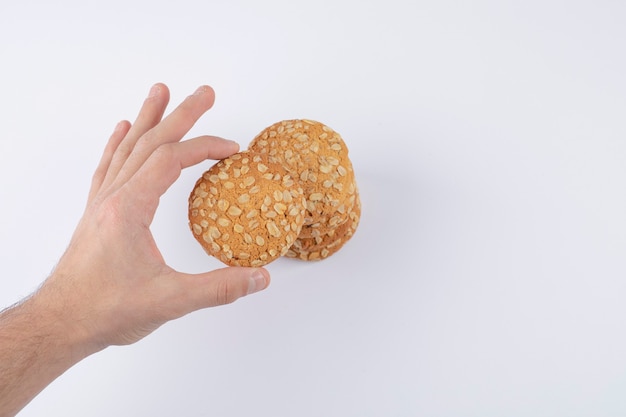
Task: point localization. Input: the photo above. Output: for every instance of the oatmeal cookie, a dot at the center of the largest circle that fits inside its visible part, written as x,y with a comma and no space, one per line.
317,156
246,210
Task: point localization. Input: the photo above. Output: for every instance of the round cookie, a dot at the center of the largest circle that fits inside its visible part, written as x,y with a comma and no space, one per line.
316,155
246,210
318,248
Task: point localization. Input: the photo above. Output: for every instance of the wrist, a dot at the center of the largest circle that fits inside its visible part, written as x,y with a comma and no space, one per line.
58,320
47,322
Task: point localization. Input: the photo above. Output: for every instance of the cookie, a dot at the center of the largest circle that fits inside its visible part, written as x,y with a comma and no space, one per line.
316,155
246,210
325,245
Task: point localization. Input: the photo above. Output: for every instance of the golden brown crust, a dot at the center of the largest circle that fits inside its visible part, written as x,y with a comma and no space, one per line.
292,193
316,155
246,210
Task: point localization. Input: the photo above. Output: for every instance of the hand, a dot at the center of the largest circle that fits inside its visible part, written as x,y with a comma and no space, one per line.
112,286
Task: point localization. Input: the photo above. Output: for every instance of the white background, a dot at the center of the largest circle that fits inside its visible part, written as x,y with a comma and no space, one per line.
488,276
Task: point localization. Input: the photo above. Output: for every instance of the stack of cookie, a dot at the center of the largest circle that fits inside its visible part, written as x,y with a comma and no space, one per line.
292,193
317,156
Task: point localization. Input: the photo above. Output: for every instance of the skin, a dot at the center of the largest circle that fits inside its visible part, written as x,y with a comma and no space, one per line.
112,286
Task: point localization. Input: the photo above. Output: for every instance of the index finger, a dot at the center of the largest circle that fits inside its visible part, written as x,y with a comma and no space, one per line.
164,166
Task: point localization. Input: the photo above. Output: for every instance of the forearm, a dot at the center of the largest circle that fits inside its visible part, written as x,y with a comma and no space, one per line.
36,346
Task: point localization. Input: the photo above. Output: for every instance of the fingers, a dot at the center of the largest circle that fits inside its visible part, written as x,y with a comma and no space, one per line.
170,130
149,116
186,115
121,130
218,287
164,166
146,158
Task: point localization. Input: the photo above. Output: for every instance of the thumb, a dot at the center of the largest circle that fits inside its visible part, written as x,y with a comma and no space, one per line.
223,286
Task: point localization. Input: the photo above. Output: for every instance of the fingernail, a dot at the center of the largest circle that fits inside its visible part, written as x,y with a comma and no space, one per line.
154,91
258,281
201,90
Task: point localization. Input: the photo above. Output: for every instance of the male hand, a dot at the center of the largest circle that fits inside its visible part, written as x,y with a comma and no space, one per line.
112,286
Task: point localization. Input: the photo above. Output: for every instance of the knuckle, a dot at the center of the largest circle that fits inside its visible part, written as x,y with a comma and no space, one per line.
225,293
146,140
98,175
165,154
110,212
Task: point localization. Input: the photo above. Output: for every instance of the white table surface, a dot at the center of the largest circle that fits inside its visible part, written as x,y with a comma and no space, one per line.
488,275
